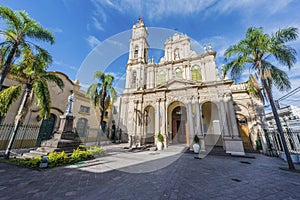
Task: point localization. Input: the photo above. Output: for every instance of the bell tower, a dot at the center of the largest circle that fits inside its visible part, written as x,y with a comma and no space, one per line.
139,46
138,57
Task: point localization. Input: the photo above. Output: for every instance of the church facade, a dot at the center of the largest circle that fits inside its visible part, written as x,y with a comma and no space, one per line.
182,96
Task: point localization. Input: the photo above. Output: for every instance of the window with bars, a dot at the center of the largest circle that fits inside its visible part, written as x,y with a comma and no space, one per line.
178,72
161,78
136,51
196,74
82,127
84,109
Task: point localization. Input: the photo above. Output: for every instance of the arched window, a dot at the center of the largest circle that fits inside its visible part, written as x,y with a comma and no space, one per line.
178,72
161,78
196,74
81,127
136,51
133,79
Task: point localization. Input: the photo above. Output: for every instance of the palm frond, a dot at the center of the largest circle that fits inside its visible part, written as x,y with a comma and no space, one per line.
51,77
109,79
280,78
10,17
285,55
93,94
254,88
8,97
43,97
236,67
286,35
113,94
99,75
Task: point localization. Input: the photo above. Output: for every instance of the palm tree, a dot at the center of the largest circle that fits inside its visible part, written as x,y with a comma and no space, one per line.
20,27
256,52
32,73
102,94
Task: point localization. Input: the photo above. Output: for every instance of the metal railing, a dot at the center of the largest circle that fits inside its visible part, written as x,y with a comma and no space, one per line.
26,136
274,142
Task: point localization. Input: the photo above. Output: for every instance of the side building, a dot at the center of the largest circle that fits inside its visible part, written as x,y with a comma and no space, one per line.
34,129
182,96
290,120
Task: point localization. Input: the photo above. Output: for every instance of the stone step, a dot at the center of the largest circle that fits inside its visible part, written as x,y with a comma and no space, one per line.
34,154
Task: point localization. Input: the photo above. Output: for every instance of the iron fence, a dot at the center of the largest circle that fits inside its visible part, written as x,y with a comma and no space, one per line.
274,142
26,136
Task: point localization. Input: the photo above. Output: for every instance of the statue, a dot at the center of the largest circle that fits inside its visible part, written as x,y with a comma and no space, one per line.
69,109
209,48
204,49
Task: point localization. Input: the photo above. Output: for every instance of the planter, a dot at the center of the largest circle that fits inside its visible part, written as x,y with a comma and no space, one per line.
159,146
196,148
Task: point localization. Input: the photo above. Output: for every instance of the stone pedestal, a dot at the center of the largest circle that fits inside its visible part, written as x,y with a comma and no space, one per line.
63,140
234,146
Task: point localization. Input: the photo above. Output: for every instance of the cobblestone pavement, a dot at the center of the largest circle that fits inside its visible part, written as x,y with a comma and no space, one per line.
169,174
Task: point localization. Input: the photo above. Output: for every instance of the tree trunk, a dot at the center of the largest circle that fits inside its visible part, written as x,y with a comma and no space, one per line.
279,127
7,64
102,100
101,106
18,120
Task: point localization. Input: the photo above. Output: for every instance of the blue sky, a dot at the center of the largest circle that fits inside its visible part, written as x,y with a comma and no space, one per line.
83,28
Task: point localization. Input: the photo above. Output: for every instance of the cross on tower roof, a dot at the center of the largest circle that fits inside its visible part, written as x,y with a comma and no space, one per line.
140,20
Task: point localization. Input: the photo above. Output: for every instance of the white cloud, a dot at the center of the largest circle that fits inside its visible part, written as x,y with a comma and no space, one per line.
93,41
97,24
57,30
62,64
99,11
155,9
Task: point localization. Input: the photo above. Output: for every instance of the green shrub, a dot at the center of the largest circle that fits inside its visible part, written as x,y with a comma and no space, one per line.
96,151
79,155
28,162
57,159
196,139
160,137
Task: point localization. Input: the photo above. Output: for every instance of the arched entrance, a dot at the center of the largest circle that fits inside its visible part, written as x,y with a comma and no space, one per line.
149,122
179,125
211,124
244,131
46,129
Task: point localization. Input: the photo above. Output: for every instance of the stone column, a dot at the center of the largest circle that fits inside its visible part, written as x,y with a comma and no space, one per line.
136,104
166,124
233,144
227,114
155,77
163,120
190,122
152,80
157,119
140,124
127,78
201,137
224,119
197,110
235,132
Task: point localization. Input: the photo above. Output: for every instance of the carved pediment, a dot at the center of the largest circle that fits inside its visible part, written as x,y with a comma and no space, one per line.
176,84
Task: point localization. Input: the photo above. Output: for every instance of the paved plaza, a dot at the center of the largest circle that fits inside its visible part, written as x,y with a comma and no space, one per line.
169,174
